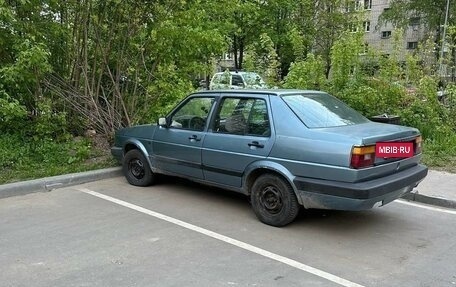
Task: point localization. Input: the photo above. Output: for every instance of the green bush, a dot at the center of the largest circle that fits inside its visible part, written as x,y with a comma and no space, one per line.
12,113
162,95
50,123
307,74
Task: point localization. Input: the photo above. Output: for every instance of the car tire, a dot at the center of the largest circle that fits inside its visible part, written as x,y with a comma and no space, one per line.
136,169
273,200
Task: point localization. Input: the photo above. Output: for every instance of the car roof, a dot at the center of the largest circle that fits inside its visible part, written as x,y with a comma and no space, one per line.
236,72
246,92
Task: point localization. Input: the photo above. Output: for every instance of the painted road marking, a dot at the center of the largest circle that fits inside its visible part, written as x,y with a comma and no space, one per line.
438,209
229,240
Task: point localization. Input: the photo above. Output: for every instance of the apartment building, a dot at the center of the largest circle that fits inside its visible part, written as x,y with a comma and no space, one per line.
380,36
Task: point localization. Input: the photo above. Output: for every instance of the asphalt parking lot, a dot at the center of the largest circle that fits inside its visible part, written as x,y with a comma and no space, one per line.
108,233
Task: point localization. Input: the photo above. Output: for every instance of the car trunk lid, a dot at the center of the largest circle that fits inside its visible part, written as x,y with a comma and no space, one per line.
371,133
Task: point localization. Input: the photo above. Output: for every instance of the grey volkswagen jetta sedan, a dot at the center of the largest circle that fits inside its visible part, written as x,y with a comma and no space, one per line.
283,148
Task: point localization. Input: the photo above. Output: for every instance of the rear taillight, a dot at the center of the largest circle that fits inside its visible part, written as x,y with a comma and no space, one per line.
418,145
362,156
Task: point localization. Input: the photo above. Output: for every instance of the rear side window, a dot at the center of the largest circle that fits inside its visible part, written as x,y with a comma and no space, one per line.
322,110
243,116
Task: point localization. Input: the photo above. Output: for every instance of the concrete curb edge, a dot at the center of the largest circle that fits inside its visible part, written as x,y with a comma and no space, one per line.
436,201
50,183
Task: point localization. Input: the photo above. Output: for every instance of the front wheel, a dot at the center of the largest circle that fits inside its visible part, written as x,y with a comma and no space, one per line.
273,200
136,169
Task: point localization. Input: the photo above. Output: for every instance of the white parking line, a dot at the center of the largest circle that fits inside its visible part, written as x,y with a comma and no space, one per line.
419,205
232,241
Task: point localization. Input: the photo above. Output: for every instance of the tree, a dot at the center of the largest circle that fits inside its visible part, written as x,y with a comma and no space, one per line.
306,74
247,26
331,19
262,58
288,24
431,14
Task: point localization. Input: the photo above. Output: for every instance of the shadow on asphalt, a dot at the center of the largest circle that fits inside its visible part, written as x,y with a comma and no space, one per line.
342,221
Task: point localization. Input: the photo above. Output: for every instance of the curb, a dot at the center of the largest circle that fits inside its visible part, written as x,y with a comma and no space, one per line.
59,181
436,201
53,182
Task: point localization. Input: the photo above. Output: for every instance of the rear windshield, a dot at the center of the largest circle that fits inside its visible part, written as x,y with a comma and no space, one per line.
253,79
322,111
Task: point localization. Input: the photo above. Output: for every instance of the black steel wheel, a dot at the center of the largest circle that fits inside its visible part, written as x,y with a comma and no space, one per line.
136,169
273,200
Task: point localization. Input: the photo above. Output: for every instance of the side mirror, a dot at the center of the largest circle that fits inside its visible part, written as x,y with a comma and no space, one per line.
163,122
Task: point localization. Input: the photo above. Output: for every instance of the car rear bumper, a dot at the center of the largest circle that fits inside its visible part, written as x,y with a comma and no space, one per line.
326,194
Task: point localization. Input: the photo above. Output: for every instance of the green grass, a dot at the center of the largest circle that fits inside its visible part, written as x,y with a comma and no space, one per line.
439,153
39,171
27,159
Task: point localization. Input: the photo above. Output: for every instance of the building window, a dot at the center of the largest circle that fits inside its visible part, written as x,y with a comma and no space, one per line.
366,26
412,45
415,21
386,34
386,9
357,5
365,48
353,27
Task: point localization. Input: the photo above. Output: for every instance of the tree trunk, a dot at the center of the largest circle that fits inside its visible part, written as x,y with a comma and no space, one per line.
235,51
453,69
241,54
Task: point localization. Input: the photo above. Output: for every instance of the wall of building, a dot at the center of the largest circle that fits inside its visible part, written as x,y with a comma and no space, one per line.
381,37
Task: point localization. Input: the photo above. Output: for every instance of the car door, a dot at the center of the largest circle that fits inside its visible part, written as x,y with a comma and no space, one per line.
241,134
177,146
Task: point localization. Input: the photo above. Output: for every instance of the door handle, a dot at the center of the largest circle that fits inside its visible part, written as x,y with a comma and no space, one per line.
256,144
194,138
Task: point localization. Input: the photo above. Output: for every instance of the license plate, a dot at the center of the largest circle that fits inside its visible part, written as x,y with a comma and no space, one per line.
394,149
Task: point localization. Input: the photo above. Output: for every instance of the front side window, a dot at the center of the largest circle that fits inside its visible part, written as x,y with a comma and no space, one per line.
221,79
217,79
322,110
193,114
243,116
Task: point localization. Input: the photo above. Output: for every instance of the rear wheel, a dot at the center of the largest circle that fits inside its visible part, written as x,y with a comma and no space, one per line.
136,169
273,200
